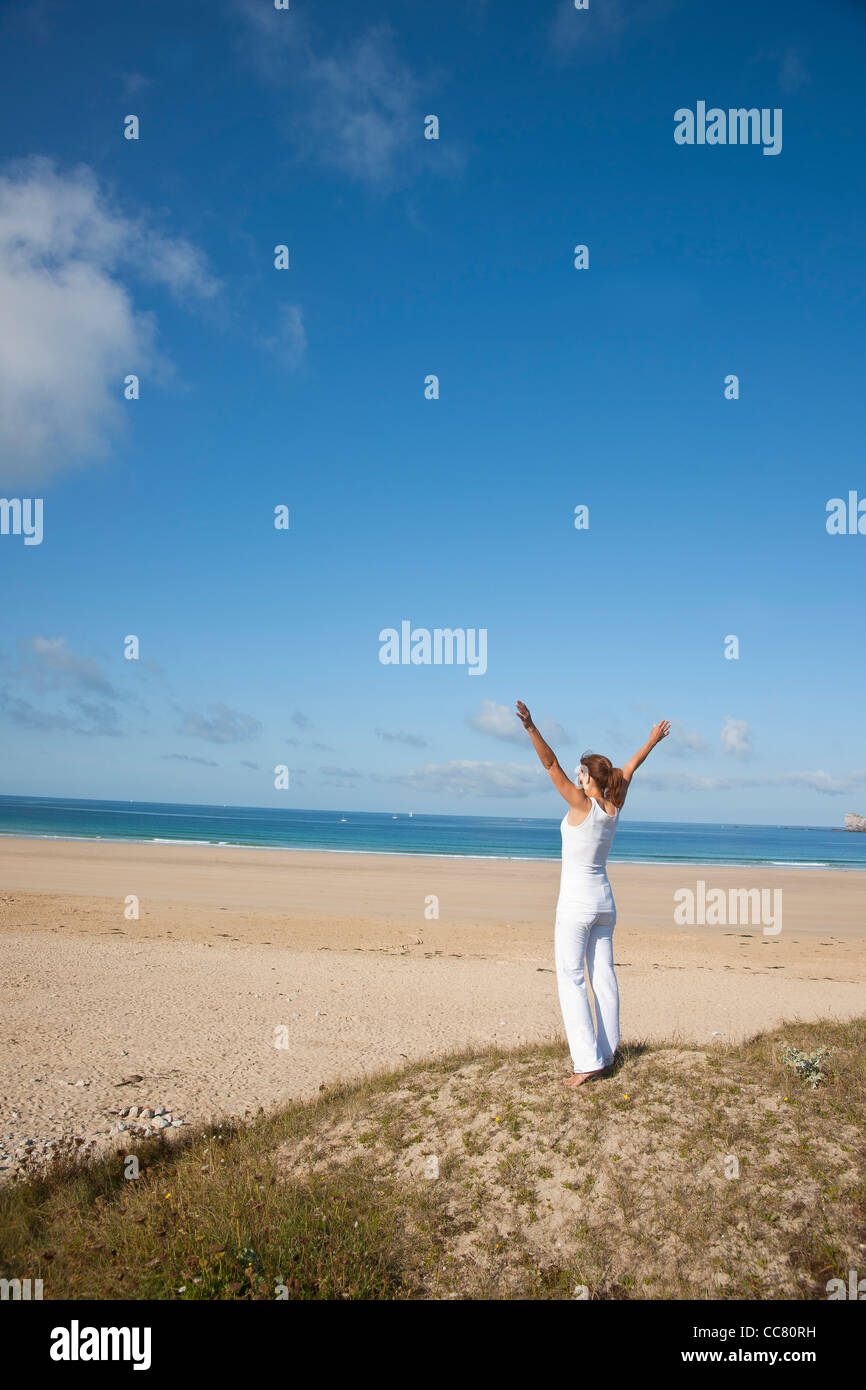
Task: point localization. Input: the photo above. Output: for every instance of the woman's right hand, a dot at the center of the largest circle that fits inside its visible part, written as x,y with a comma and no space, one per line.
523,715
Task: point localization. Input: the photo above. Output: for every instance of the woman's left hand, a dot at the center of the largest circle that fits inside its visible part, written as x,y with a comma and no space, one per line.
523,715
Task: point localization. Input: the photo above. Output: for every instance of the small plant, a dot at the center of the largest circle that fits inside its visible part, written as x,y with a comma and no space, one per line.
251,1263
807,1065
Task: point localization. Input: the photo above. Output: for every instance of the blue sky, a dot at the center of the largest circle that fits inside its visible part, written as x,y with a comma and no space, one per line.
558,387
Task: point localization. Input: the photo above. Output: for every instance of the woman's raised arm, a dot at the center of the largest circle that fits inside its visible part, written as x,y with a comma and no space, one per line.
659,731
575,796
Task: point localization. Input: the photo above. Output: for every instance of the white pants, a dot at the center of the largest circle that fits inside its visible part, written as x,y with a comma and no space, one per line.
580,936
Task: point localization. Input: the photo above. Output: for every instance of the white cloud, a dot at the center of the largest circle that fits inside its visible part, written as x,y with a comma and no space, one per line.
362,106
190,758
585,31
221,725
464,778
71,330
49,664
682,741
134,82
400,736
736,737
501,722
819,781
498,721
789,67
293,334
598,31
792,73
289,343
354,105
552,730
816,781
340,776
96,718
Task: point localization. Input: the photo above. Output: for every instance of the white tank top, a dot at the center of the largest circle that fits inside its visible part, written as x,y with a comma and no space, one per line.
584,882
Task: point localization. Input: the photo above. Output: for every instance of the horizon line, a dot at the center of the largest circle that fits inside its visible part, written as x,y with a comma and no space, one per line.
339,810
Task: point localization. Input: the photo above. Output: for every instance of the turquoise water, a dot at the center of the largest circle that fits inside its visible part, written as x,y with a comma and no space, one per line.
375,832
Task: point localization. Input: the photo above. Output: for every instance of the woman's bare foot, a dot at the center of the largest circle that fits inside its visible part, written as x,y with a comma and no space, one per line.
580,1076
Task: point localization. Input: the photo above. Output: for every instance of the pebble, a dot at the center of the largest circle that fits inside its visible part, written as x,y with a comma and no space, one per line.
137,1122
143,1124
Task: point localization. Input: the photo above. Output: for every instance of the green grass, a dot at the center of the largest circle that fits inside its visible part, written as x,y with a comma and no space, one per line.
539,1189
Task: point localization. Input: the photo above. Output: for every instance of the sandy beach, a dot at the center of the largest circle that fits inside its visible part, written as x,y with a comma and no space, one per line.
332,957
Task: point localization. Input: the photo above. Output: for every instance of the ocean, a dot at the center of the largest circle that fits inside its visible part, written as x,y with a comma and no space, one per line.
380,832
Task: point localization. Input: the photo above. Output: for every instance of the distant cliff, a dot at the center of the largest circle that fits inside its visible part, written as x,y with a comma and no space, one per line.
853,822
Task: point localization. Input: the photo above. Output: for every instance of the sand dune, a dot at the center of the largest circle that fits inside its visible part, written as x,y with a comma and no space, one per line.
233,945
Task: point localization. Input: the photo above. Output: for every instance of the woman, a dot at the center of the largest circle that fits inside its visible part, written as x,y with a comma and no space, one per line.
585,911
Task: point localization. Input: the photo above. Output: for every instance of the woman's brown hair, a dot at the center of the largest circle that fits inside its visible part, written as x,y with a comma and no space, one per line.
610,778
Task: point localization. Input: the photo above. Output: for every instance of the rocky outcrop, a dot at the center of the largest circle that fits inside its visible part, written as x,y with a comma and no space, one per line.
854,822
